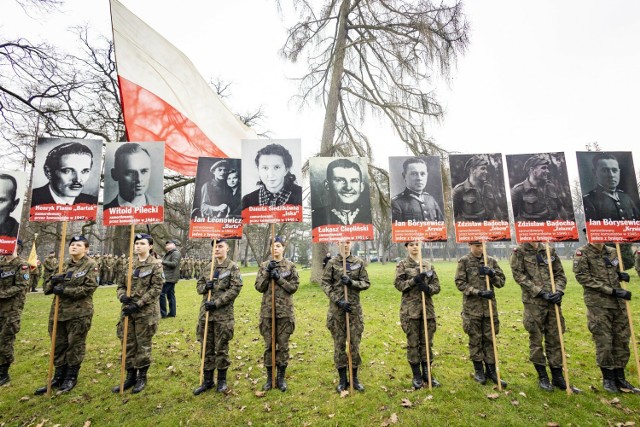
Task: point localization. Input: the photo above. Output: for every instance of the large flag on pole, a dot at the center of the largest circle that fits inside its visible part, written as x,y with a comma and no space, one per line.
164,97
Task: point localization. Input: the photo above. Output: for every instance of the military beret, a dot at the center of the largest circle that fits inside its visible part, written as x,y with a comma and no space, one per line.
142,236
534,161
218,164
19,242
216,241
475,242
174,241
279,239
475,161
407,243
78,239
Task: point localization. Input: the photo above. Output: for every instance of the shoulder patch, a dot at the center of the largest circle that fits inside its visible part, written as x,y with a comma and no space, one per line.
25,276
25,267
515,250
578,252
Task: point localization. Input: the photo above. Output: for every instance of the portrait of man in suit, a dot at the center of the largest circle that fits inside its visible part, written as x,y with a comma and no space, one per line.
9,201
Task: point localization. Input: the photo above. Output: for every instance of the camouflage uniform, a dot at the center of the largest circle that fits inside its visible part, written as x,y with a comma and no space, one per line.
221,320
36,272
336,319
14,285
119,270
109,264
286,286
146,284
50,266
531,203
475,309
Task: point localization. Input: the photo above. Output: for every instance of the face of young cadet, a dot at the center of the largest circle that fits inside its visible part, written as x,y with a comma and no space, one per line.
278,250
72,173
77,249
7,202
476,250
346,185
272,171
607,173
134,175
415,177
142,247
413,248
221,250
232,180
345,248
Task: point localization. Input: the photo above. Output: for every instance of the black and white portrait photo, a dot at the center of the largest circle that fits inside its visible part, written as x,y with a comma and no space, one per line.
479,192
416,189
217,192
339,191
12,192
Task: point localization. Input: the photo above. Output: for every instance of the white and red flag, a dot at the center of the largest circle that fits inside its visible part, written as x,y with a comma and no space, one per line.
164,97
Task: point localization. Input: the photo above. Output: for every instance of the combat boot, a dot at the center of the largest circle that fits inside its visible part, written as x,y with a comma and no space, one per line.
141,381
56,381
493,375
478,374
222,381
281,383
425,376
129,382
609,380
70,379
356,384
417,376
269,384
622,382
207,383
543,378
343,384
4,374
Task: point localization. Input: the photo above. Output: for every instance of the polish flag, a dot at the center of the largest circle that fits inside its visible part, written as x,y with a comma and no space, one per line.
164,98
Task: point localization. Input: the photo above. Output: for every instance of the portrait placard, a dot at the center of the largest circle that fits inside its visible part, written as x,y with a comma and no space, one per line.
417,202
271,192
66,180
13,189
541,197
479,198
340,199
609,196
217,202
133,179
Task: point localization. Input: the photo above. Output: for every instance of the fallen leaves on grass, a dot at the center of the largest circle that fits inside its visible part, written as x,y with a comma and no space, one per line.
24,399
267,408
260,393
406,403
393,419
553,424
42,423
515,402
344,393
493,396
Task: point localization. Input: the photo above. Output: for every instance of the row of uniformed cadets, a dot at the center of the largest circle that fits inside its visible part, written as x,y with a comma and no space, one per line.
595,268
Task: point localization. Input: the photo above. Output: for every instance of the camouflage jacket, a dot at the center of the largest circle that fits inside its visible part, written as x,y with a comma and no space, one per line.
36,271
411,305
79,285
225,291
50,265
333,287
286,286
14,285
597,272
146,285
470,283
530,270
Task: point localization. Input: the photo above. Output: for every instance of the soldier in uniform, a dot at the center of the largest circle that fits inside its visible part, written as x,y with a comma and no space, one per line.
530,268
14,285
109,264
74,289
283,274
50,266
535,198
414,203
118,269
470,279
596,269
36,272
474,198
334,280
143,310
413,284
225,288
606,200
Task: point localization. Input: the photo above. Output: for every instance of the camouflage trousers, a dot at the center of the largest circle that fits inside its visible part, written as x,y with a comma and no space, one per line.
71,340
416,345
218,336
337,325
33,281
540,321
9,328
284,328
480,341
140,334
611,333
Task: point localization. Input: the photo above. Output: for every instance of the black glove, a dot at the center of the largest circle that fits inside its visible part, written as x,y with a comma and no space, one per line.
210,305
487,294
57,278
272,264
420,278
58,289
128,310
344,306
622,293
545,295
346,280
275,275
126,300
623,276
424,288
487,271
556,298
209,284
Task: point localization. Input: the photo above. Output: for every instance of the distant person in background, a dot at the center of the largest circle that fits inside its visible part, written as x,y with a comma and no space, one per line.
171,267
36,273
50,266
326,259
132,171
8,203
67,167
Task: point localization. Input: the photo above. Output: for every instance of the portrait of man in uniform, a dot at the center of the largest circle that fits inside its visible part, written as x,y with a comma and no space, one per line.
609,186
414,202
217,188
9,202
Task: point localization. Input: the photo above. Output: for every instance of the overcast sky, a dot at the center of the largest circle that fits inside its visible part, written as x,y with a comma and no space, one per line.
538,76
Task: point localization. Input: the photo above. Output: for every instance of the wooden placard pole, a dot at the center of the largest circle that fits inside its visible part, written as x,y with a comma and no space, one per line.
629,316
56,306
125,328
426,327
273,313
346,299
493,329
206,312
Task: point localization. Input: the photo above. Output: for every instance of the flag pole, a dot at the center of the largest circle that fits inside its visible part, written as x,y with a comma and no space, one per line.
346,299
123,360
629,316
273,312
206,313
56,307
493,329
426,327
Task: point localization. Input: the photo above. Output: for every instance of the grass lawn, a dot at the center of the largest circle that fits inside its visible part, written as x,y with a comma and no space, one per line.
311,399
